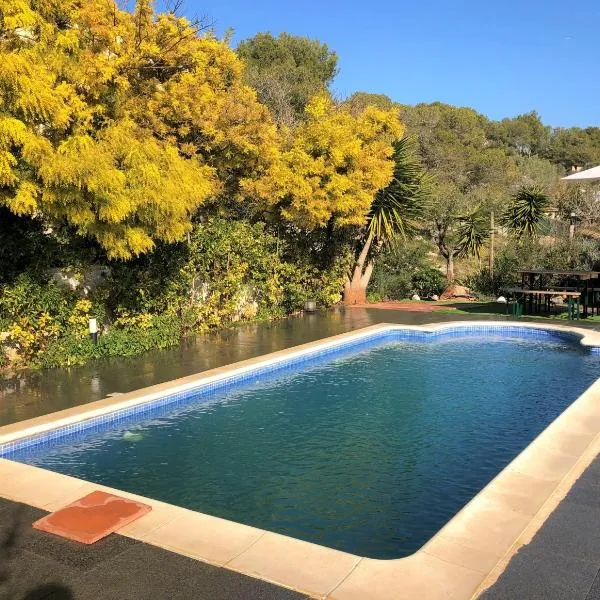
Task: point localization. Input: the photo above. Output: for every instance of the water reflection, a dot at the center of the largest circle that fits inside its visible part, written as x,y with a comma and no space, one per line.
32,393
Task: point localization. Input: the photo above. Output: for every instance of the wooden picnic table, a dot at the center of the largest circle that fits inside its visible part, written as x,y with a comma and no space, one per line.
585,282
523,295
579,274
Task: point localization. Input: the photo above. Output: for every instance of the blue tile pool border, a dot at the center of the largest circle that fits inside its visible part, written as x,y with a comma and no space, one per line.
328,350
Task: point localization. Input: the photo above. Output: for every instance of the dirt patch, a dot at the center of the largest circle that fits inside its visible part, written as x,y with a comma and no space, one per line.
408,306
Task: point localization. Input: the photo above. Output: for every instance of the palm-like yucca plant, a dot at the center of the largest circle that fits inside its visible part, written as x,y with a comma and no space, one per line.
472,234
393,214
396,208
526,211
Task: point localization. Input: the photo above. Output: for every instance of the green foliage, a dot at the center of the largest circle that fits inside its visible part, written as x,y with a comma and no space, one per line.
472,175
67,351
163,331
406,270
374,297
131,339
287,71
472,232
525,134
229,271
575,147
38,312
579,254
396,209
29,337
300,284
428,281
29,298
526,211
529,253
506,272
360,100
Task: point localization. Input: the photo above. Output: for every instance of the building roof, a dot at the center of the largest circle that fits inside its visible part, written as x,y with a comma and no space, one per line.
587,175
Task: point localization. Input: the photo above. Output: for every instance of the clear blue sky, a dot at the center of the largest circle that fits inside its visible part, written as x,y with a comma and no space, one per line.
501,57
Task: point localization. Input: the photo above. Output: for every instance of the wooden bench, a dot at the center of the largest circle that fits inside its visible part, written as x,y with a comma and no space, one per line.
535,300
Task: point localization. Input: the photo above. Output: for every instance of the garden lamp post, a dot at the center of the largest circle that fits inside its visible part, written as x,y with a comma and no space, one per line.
93,323
573,218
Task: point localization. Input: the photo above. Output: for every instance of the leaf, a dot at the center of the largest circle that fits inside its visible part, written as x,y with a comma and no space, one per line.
525,214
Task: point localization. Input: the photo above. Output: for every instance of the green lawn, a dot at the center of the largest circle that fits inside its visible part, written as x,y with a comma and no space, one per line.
493,308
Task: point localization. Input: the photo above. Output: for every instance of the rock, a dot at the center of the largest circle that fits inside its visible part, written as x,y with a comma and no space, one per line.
12,354
435,297
85,282
416,297
501,299
457,291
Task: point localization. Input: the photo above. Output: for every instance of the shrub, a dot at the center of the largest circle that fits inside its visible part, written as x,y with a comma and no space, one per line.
67,351
129,336
577,254
405,271
29,298
3,357
38,313
428,281
229,271
164,331
29,337
78,320
374,297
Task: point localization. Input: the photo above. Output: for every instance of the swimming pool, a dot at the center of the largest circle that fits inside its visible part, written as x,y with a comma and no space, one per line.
369,448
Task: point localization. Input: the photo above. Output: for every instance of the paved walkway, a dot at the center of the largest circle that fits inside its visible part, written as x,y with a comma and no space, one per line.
562,561
40,566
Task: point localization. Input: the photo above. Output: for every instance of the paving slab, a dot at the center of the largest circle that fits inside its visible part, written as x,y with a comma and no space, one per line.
167,575
36,565
594,593
81,557
562,561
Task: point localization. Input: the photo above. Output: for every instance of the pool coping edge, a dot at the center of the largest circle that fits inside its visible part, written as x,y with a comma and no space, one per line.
464,557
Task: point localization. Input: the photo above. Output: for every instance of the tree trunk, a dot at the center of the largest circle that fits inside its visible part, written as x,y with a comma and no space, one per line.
355,289
450,267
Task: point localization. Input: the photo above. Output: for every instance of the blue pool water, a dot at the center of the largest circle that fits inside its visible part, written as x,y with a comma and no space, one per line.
371,452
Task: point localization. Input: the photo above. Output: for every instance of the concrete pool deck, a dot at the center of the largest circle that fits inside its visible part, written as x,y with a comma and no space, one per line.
36,566
464,558
563,559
